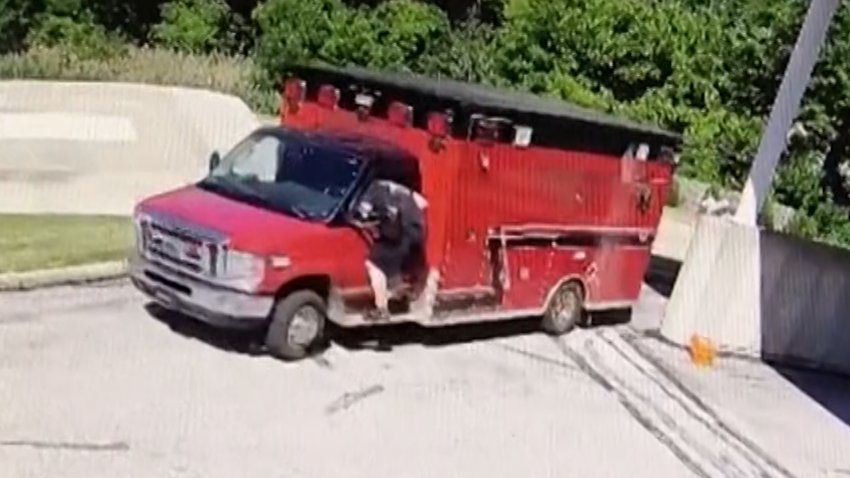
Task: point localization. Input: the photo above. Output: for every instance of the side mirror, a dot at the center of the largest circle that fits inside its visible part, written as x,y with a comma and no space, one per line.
215,160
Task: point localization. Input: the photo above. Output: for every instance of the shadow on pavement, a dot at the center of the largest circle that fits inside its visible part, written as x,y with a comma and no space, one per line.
832,392
248,342
384,338
377,338
380,338
661,274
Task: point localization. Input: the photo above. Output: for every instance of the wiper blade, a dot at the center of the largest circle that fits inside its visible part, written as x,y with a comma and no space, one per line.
234,185
299,212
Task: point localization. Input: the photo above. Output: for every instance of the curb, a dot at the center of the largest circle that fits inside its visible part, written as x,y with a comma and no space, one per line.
74,275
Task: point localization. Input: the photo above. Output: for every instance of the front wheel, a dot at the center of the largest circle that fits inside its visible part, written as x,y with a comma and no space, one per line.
297,325
565,310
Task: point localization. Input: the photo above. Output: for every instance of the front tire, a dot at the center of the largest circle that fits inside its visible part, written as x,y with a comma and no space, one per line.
565,309
297,325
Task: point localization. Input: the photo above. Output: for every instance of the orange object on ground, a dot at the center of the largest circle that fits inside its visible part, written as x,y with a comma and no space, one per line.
702,351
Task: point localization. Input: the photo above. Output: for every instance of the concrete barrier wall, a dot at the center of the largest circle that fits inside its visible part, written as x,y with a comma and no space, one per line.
98,148
805,301
717,292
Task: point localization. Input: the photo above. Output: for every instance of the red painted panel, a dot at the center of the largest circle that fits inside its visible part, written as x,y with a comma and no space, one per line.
472,188
619,273
533,272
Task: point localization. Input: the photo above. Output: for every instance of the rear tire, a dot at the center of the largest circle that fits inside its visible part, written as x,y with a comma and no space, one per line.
297,325
565,309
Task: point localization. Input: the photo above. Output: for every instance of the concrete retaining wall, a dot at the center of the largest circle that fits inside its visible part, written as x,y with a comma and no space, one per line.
717,292
805,300
98,148
763,294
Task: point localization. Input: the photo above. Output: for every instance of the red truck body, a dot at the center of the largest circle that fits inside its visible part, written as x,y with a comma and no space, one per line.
525,196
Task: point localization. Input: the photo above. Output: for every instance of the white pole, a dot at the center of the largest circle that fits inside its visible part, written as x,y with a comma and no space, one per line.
786,107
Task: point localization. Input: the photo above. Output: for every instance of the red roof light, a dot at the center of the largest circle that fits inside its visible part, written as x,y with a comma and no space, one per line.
328,96
400,114
439,124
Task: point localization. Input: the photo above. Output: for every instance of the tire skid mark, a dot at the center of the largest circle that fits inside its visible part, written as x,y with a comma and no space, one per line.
348,399
633,410
687,398
726,454
69,446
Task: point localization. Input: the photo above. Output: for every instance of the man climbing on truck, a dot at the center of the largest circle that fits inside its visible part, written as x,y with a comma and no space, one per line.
397,226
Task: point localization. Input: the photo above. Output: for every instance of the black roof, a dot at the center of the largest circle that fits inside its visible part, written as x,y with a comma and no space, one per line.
474,98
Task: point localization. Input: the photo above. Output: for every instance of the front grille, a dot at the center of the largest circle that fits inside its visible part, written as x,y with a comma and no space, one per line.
181,246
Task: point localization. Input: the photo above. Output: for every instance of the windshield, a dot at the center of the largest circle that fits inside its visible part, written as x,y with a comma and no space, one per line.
287,174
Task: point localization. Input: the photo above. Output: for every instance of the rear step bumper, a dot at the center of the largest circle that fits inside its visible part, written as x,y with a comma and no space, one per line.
214,305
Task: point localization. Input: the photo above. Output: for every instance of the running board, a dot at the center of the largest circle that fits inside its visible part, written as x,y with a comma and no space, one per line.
359,320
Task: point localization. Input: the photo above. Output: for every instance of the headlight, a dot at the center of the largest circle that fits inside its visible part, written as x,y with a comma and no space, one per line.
141,223
242,270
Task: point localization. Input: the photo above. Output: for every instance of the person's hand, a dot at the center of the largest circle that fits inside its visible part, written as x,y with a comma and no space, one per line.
370,228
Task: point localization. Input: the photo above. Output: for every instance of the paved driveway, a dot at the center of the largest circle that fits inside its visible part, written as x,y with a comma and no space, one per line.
92,385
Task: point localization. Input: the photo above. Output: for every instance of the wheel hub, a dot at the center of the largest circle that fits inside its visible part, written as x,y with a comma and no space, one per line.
565,308
304,327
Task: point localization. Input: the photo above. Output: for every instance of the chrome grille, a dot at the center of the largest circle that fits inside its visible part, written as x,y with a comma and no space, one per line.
182,246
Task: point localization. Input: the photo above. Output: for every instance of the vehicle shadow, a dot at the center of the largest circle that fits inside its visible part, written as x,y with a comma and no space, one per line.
248,342
661,274
385,337
382,338
830,391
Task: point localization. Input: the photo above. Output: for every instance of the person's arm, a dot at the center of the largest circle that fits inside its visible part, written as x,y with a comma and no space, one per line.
421,202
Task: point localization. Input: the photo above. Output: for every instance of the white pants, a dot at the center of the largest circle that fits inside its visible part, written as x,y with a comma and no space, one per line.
378,280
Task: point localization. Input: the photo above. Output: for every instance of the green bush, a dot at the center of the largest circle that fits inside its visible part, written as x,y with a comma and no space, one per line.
195,26
15,20
80,37
294,31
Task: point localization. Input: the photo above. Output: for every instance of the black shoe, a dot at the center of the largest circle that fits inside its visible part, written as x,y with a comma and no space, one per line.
377,315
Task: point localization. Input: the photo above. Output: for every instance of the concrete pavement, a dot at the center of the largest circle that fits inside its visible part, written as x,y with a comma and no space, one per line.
93,385
801,418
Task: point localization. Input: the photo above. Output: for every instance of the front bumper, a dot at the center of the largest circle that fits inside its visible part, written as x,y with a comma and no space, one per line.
197,299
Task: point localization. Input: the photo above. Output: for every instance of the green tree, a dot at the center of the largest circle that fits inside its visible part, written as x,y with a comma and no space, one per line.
291,31
196,26
15,20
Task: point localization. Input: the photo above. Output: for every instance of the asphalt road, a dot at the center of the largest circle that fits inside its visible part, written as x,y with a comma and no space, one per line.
94,385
